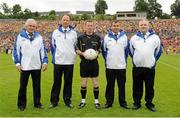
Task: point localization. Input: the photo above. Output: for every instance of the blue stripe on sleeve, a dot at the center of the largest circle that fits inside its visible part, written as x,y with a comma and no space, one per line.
15,52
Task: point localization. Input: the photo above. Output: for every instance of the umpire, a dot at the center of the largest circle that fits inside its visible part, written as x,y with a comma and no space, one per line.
29,55
145,50
63,43
115,52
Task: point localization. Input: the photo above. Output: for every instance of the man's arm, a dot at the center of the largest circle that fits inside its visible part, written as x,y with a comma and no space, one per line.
159,49
104,48
44,56
16,54
52,43
131,48
79,47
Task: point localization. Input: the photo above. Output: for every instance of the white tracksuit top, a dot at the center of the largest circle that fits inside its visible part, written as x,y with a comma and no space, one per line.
115,50
30,53
145,50
63,46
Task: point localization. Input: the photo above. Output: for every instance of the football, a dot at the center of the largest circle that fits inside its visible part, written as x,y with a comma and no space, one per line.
90,54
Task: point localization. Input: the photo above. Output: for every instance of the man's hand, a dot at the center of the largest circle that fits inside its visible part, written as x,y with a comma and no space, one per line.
44,67
19,68
97,52
80,53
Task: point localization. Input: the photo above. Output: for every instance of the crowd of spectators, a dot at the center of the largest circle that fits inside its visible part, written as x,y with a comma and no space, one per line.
168,30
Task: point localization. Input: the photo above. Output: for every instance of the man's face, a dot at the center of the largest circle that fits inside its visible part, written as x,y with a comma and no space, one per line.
115,27
89,27
143,26
31,27
65,21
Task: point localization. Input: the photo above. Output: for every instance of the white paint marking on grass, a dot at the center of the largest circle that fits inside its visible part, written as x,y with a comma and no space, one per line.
174,67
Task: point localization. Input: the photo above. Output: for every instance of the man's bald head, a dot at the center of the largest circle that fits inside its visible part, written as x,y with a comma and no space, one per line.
65,21
144,25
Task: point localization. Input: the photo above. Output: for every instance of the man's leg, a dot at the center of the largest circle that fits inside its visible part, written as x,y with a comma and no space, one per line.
95,89
83,92
36,79
68,77
94,72
137,85
24,76
110,77
121,80
96,92
149,85
56,85
84,73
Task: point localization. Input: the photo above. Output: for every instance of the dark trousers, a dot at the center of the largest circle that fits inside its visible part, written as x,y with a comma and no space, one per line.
139,75
111,75
59,70
36,78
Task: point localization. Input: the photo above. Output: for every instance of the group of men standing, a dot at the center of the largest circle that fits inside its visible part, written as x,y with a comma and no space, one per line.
29,55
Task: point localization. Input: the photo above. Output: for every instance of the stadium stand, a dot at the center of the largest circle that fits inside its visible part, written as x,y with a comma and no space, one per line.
168,30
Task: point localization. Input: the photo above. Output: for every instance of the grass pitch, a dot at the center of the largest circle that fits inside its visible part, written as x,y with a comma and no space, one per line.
167,92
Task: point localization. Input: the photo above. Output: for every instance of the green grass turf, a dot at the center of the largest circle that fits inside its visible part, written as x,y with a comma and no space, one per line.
167,92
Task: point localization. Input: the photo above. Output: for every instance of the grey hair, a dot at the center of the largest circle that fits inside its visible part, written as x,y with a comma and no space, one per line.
30,20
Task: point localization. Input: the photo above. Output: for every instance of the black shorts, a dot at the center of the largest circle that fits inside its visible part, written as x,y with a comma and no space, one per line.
89,68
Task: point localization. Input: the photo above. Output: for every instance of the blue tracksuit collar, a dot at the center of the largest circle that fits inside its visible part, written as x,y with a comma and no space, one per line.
61,29
149,33
120,33
24,34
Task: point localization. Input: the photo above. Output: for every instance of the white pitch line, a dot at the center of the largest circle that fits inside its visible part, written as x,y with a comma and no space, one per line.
176,68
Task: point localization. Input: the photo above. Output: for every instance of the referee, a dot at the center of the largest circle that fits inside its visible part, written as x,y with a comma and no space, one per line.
89,68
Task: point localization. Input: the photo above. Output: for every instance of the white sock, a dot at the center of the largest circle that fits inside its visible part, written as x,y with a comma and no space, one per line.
96,101
83,100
